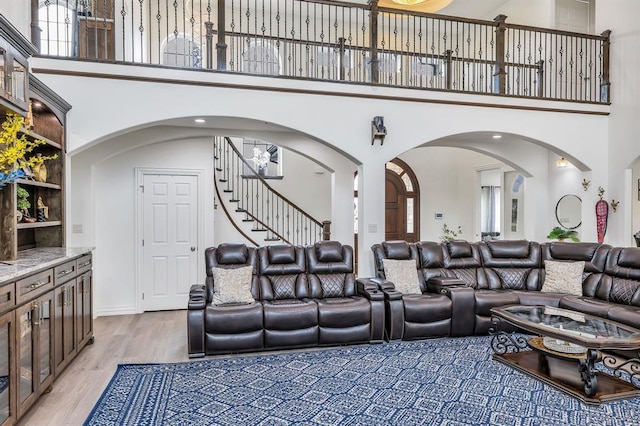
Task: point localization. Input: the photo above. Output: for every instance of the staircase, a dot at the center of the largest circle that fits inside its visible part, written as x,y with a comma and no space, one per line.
242,192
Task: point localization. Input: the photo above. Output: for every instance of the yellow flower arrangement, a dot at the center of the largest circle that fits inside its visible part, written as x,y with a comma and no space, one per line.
13,150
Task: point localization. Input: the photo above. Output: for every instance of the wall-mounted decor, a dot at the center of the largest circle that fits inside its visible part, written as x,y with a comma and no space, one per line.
638,189
514,215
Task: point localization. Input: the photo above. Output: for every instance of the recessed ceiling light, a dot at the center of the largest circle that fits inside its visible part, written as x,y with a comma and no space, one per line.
497,136
200,120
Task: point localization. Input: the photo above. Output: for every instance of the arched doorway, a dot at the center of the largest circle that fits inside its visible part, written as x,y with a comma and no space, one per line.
402,202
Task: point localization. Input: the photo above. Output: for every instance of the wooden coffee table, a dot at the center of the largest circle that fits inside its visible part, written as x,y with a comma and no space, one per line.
569,346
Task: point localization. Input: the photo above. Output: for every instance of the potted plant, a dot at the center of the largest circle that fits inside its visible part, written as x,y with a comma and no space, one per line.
23,204
260,160
562,234
449,234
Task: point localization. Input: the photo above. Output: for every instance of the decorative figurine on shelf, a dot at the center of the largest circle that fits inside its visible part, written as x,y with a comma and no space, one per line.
42,212
39,169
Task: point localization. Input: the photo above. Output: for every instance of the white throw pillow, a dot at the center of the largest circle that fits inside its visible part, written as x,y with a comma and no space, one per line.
232,285
563,277
403,274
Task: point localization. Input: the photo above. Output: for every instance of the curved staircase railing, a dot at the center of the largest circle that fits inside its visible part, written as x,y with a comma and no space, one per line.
266,209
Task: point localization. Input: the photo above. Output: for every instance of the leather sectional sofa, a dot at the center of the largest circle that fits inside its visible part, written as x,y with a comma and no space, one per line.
303,296
472,278
308,296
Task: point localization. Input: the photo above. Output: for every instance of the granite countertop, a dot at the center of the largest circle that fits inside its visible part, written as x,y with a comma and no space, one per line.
37,259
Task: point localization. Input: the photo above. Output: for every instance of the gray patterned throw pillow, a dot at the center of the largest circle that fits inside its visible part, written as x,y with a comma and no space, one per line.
403,274
563,277
232,285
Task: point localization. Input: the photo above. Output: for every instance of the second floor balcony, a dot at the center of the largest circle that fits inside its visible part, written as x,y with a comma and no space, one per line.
332,41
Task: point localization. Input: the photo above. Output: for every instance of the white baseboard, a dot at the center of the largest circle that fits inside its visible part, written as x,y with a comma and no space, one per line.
115,310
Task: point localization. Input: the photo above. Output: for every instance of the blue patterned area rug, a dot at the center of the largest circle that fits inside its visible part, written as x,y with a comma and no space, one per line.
432,382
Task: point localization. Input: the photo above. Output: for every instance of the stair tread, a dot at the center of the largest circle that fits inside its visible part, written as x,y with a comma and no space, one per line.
228,191
234,201
247,220
222,180
260,230
272,239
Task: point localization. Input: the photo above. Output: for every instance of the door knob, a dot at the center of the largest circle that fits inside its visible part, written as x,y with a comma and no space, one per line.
193,249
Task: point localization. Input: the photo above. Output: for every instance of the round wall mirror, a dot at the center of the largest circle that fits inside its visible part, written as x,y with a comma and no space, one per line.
569,211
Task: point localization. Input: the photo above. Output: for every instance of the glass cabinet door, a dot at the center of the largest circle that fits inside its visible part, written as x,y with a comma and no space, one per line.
3,83
45,340
25,350
19,81
6,343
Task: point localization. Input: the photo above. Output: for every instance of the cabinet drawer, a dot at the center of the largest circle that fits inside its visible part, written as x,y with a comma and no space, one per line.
34,285
7,297
64,272
84,264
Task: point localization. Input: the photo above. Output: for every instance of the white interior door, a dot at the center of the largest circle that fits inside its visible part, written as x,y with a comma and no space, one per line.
169,241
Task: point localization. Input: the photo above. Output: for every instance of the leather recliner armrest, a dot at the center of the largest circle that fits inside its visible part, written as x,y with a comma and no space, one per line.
443,285
197,297
387,287
371,293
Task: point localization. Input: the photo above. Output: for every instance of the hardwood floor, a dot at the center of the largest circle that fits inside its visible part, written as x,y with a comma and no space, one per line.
149,337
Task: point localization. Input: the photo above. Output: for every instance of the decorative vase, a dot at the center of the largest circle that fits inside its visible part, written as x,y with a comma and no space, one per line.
262,171
18,216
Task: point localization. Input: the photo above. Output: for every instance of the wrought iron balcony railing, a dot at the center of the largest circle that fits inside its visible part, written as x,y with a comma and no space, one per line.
332,40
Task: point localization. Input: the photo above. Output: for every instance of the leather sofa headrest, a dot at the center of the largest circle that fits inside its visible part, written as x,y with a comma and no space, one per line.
396,250
573,251
281,254
329,251
232,254
459,249
629,258
430,254
516,249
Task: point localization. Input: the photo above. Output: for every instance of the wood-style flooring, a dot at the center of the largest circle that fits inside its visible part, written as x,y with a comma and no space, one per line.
144,338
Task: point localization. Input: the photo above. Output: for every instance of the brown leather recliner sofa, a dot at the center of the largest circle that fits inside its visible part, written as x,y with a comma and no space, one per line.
304,296
476,277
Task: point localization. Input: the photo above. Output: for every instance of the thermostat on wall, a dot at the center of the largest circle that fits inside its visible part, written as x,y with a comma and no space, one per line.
439,215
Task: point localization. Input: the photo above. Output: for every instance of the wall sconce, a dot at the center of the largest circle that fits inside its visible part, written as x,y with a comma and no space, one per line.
614,205
378,130
586,184
562,163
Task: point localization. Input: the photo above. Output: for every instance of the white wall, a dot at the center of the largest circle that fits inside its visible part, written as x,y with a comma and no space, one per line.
621,16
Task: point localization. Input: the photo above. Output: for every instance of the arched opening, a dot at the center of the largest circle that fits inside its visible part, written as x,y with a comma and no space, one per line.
402,202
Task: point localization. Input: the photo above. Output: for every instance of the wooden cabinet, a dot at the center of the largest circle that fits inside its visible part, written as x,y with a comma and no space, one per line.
8,412
43,222
84,309
46,318
34,349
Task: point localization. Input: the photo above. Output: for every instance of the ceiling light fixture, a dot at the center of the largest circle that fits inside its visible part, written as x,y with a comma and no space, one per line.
427,6
562,163
199,120
408,2
497,136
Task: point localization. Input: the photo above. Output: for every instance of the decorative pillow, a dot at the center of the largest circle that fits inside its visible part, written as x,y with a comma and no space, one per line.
563,277
403,274
232,285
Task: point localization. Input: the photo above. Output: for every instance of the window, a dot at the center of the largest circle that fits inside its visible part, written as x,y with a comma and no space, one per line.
490,211
181,51
261,57
56,23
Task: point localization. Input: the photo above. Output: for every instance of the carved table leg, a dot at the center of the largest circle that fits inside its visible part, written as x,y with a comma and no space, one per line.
588,373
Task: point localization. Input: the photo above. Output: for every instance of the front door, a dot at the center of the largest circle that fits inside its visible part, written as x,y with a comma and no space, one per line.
170,236
395,205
